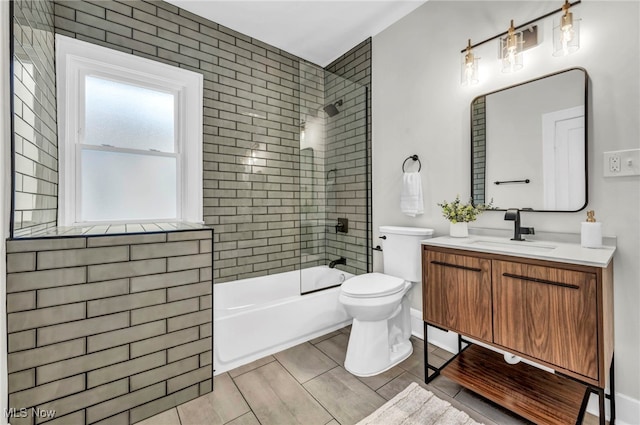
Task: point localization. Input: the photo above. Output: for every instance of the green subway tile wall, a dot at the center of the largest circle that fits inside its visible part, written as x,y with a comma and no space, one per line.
34,118
93,346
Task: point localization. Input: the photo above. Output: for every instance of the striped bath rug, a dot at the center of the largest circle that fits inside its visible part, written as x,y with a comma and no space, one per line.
415,405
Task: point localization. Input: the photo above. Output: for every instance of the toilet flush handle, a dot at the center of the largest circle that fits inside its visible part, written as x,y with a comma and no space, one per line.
383,237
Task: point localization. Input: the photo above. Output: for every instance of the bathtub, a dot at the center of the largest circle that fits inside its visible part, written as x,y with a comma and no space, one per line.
260,316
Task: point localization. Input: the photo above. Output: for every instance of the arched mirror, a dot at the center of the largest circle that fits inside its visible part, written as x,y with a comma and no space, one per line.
528,144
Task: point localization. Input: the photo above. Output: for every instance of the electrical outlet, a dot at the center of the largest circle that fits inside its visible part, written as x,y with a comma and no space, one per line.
622,163
614,163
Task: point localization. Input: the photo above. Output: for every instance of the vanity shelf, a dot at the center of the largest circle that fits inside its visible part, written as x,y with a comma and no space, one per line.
538,396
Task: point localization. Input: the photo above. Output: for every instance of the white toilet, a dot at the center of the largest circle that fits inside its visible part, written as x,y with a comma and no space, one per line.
379,304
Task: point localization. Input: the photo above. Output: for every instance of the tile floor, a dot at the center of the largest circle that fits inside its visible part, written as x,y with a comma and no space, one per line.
308,385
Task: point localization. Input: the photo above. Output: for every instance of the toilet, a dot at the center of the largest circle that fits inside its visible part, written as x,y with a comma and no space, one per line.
379,304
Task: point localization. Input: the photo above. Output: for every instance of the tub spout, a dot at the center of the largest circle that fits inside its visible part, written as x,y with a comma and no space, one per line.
340,260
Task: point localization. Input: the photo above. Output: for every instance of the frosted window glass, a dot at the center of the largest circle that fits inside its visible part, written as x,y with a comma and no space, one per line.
128,116
113,190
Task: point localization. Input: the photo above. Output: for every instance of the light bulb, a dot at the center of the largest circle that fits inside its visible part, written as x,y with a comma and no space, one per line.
566,34
469,67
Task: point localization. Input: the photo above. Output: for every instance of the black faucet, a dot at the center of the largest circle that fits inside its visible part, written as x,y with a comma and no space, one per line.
340,260
514,215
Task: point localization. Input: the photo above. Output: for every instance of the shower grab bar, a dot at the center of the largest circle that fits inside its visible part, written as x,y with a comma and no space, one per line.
415,158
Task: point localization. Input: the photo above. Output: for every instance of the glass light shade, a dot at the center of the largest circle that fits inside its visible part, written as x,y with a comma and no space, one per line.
511,52
469,69
566,35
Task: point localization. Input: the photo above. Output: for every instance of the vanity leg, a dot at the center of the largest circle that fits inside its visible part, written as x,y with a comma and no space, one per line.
426,354
612,391
601,413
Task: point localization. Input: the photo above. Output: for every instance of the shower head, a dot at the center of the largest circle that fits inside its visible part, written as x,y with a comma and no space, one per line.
331,109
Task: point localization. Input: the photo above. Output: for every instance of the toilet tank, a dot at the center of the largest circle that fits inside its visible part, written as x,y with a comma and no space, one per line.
401,251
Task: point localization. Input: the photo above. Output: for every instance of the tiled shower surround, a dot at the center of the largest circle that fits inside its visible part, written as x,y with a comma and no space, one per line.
36,144
108,329
252,110
348,152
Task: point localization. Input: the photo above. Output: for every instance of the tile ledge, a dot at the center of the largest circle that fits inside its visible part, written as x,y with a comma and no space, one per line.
108,230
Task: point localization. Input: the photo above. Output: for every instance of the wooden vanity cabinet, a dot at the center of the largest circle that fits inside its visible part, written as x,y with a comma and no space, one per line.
547,313
557,314
458,296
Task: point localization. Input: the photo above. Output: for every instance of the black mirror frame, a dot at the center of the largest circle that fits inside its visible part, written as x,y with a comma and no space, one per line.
586,137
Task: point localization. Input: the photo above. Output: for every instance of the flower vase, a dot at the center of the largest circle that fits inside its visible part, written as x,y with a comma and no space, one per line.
458,230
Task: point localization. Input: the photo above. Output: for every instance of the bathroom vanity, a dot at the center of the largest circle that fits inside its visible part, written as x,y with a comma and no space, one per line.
551,303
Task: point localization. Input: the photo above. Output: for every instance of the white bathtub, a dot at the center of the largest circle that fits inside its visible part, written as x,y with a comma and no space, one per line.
260,316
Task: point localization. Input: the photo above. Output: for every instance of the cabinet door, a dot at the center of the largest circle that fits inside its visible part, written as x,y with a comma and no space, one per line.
457,293
547,313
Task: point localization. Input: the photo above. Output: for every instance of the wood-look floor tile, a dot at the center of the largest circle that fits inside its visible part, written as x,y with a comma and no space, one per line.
246,419
305,361
415,362
333,422
250,366
346,330
395,386
589,419
344,396
321,338
220,406
442,353
335,347
276,398
170,417
420,344
486,408
446,385
377,381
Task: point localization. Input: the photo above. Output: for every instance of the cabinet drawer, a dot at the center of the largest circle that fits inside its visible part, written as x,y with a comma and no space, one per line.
548,313
457,293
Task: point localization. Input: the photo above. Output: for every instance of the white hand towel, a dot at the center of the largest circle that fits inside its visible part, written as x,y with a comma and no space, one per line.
411,201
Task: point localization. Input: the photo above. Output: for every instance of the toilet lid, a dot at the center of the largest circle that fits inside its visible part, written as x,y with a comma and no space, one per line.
372,285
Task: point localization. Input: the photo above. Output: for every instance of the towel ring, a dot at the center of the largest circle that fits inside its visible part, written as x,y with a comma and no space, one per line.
415,158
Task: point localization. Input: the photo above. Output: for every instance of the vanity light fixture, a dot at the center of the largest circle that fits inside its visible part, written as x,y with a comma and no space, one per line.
469,72
511,50
566,40
566,35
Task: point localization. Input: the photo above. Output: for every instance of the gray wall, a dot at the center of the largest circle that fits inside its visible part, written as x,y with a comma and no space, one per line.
116,327
420,107
36,152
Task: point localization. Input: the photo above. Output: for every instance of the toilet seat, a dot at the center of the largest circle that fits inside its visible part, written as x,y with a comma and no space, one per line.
372,285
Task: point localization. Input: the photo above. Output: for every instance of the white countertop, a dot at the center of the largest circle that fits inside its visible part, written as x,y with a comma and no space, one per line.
562,252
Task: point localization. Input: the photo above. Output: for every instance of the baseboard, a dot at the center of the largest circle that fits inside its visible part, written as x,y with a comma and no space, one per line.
446,340
627,408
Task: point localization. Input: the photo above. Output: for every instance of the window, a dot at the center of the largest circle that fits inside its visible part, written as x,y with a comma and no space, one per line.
130,137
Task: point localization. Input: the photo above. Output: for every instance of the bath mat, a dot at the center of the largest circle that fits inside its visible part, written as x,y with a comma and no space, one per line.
415,405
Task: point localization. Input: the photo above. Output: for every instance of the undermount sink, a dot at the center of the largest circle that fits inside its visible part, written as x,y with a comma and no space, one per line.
514,246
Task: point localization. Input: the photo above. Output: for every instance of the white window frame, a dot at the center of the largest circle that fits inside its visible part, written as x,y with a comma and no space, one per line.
74,60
